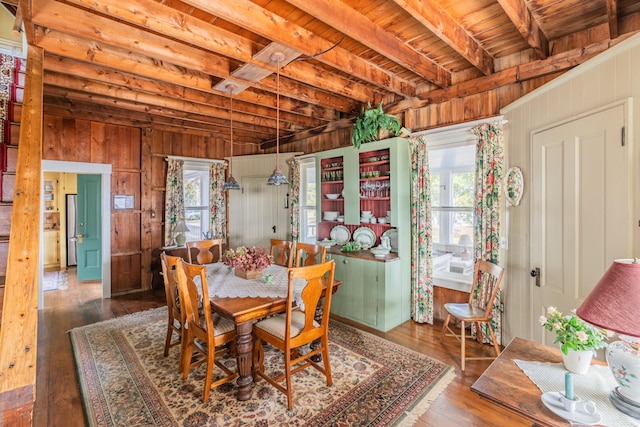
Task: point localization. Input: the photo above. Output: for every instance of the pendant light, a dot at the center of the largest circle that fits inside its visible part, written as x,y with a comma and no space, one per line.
277,177
231,183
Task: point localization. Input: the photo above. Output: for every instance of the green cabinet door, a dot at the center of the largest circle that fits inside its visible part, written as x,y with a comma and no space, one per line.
357,297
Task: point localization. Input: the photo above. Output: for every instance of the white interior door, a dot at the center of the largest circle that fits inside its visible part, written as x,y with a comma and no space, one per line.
263,213
581,210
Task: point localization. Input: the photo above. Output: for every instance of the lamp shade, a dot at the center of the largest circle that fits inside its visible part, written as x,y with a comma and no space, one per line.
613,303
181,227
277,178
231,184
465,240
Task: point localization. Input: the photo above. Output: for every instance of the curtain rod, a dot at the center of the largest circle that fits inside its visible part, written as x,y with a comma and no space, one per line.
194,159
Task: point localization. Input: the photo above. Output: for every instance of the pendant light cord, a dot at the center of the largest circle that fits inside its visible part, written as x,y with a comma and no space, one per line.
231,125
278,116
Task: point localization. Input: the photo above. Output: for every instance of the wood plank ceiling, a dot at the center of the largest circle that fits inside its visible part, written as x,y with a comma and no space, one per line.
167,64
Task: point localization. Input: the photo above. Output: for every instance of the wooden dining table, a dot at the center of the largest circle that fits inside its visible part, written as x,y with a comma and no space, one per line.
244,312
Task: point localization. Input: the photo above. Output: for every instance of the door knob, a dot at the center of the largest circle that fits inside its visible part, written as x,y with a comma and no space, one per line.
274,228
80,238
536,273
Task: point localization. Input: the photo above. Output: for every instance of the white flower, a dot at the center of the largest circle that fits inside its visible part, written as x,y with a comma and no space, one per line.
582,336
551,309
542,320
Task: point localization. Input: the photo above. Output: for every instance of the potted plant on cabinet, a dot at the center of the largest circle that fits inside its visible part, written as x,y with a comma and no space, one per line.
372,121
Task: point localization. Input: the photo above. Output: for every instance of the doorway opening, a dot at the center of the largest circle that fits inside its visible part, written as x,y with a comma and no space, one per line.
81,168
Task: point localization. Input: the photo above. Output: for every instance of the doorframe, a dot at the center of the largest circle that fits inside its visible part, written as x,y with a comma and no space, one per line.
634,177
82,168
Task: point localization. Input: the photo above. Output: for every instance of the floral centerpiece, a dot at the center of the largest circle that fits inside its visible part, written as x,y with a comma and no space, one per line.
248,262
576,337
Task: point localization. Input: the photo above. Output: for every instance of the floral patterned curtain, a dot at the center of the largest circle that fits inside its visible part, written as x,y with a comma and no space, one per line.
421,267
217,201
174,198
8,65
294,197
489,173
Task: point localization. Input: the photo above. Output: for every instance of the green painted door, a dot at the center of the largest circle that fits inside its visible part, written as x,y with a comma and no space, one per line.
89,245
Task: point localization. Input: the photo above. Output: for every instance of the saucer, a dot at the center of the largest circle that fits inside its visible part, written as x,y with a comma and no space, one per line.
553,401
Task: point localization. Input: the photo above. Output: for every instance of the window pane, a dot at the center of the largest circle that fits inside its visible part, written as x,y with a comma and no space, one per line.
308,223
196,202
435,190
463,189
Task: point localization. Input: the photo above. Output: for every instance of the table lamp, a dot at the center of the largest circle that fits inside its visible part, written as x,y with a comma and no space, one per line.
465,242
614,305
180,228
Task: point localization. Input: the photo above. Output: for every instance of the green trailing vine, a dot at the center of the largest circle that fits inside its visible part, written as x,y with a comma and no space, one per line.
369,122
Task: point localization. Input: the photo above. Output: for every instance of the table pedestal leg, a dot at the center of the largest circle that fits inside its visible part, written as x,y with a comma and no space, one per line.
244,354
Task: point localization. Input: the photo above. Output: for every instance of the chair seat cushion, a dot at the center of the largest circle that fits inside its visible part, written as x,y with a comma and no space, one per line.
276,325
221,324
466,312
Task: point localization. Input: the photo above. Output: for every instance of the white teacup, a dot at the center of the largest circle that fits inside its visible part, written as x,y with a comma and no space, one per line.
372,220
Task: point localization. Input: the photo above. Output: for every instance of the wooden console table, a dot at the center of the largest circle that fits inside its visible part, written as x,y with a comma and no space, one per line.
504,383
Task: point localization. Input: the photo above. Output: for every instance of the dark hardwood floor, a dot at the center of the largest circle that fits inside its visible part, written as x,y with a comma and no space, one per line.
59,402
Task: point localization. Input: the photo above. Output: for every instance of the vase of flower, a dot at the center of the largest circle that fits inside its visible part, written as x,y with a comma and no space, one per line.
248,274
577,338
248,262
577,361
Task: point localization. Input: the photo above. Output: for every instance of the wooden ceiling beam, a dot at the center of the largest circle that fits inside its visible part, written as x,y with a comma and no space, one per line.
156,105
172,23
241,115
359,27
59,106
66,45
612,18
448,30
26,9
115,77
521,17
513,75
269,25
101,33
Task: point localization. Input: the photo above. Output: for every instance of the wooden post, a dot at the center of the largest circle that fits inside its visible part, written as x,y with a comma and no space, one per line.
19,331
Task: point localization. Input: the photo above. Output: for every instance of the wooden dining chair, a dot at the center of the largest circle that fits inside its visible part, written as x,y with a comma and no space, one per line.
487,277
175,317
295,328
307,254
282,252
204,253
205,332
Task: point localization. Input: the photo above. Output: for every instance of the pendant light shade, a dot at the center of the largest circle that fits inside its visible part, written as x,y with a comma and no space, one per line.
277,177
231,183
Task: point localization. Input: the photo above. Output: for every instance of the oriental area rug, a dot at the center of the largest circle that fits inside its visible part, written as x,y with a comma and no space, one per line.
126,381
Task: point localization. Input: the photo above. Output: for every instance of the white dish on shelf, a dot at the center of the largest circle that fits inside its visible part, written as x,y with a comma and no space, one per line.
364,220
365,236
379,252
393,238
340,234
553,401
332,196
326,242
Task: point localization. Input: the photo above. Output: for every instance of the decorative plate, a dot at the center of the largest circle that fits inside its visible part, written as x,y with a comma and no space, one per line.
365,236
393,238
340,234
513,186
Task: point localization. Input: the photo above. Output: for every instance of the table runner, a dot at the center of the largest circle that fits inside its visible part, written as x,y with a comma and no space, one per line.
594,385
224,283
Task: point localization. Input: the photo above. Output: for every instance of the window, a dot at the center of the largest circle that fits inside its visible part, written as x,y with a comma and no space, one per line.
452,171
308,223
196,199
